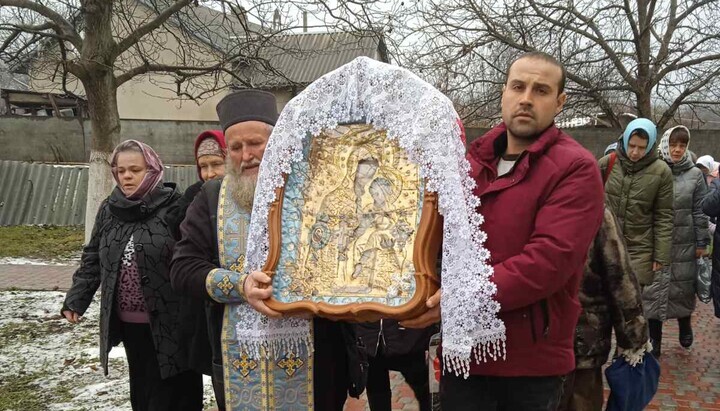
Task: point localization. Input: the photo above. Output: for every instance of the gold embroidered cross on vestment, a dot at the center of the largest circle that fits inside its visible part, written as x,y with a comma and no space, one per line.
226,285
290,363
244,364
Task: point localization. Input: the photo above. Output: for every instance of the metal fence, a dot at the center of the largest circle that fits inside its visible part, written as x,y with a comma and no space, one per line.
32,193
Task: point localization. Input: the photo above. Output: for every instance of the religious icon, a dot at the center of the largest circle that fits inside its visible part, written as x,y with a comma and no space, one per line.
349,218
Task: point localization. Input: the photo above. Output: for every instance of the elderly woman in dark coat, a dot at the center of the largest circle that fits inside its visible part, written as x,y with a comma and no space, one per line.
672,293
129,256
200,333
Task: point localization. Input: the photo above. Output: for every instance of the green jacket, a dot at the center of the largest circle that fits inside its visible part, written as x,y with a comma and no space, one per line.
641,196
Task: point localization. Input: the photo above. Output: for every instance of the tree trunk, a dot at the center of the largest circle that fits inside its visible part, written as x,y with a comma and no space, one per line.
643,49
644,104
98,79
105,121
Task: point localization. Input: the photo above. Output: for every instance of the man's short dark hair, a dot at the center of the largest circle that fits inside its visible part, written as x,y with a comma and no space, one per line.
539,55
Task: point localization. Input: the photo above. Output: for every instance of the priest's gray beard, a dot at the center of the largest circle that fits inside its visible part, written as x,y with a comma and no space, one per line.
241,188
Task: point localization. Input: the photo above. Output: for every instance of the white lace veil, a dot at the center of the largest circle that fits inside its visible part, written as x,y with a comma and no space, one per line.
425,124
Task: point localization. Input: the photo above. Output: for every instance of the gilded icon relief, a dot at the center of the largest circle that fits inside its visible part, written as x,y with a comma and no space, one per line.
360,200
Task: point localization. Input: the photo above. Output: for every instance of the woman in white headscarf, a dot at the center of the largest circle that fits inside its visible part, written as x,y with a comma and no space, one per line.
706,164
672,293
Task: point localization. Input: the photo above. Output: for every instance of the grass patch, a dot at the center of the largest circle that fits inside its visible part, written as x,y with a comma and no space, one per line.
62,393
43,242
29,331
21,393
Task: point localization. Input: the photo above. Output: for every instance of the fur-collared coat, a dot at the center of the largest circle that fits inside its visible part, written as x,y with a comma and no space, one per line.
611,299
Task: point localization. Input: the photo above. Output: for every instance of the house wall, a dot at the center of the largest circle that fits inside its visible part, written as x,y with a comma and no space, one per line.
149,97
143,98
67,140
283,97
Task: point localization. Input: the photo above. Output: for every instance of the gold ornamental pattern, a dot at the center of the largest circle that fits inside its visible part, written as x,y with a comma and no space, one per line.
361,205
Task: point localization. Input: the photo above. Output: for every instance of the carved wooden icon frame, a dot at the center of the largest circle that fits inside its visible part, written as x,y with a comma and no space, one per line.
426,241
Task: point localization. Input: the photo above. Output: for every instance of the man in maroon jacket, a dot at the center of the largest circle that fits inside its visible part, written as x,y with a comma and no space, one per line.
542,199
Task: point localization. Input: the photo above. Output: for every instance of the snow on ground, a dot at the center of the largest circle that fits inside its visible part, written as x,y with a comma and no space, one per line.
34,261
54,365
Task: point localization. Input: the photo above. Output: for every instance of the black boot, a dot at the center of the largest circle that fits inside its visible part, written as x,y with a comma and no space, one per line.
686,333
655,330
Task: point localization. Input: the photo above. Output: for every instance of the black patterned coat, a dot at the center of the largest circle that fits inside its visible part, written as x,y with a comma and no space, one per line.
118,218
610,298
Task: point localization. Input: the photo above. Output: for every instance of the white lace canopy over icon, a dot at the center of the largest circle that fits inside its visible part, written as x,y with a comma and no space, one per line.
425,124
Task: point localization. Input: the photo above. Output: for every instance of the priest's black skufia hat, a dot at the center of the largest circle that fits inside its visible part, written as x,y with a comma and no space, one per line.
247,105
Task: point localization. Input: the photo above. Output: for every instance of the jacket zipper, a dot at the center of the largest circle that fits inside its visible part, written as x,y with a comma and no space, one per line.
381,336
546,317
532,323
546,320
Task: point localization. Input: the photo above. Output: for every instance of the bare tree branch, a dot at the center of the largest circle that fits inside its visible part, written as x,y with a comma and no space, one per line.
39,28
29,30
161,68
596,36
687,63
670,111
65,29
662,55
147,28
639,56
9,40
702,102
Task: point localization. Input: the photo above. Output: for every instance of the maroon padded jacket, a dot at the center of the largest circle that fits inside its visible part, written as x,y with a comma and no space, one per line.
540,219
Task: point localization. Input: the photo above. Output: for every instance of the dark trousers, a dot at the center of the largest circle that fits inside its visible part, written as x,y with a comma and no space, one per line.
583,391
481,393
330,370
148,391
218,386
414,369
655,328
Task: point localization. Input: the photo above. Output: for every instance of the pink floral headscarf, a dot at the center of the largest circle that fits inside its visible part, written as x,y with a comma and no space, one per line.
154,169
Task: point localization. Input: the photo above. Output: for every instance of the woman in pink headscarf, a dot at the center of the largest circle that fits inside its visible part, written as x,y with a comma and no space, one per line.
129,256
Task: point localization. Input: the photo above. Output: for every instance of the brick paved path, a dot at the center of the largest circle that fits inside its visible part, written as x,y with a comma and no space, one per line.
690,379
36,277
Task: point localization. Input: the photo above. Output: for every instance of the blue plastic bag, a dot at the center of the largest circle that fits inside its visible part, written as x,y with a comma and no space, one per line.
632,388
